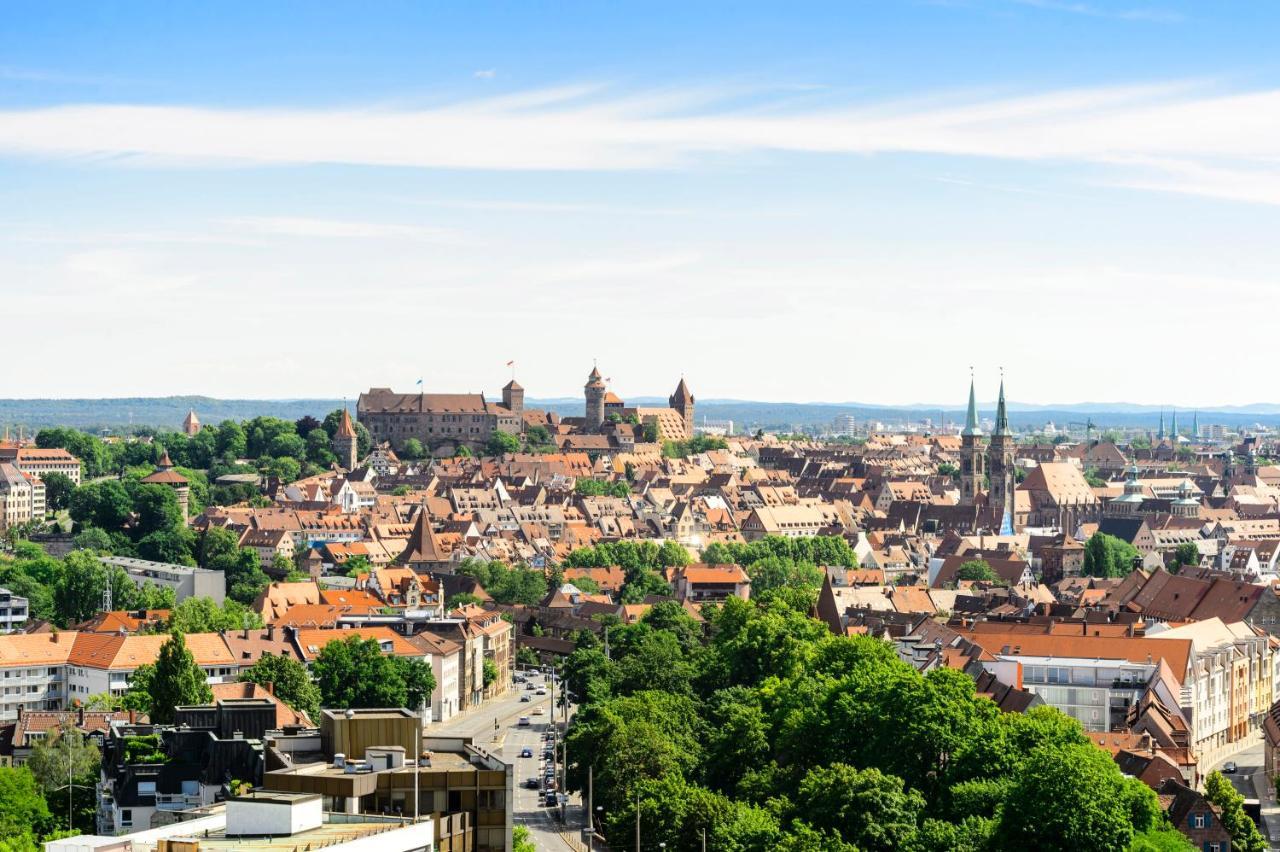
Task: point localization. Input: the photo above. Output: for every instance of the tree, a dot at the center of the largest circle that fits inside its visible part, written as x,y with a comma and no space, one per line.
1070,798
521,841
65,765
1108,556
24,816
976,569
57,491
176,680
866,807
157,509
104,504
92,538
949,470
1244,833
1095,481
1186,554
353,672
501,443
204,615
412,449
290,680
77,594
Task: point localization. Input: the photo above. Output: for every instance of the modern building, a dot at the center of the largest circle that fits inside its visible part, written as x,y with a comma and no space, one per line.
186,582
13,611
368,763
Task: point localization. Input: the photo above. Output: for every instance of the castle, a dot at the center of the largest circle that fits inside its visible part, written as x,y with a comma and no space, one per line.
673,423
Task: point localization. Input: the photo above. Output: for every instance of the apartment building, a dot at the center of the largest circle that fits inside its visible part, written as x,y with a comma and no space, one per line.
37,461
17,497
186,582
14,610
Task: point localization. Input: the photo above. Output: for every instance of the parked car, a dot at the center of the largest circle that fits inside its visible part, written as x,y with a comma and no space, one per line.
524,721
551,800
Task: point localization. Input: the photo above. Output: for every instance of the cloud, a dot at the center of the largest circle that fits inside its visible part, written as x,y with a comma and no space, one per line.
291,226
1162,16
1178,137
486,73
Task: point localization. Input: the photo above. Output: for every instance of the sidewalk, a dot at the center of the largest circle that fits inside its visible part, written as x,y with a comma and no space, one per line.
1270,809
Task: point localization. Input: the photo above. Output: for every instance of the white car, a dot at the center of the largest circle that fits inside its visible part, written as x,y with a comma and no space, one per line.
524,720
537,711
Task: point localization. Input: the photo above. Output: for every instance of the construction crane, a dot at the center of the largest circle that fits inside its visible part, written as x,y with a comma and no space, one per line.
1088,427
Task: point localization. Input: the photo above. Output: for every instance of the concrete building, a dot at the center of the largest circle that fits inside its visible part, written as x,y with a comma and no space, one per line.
13,611
186,582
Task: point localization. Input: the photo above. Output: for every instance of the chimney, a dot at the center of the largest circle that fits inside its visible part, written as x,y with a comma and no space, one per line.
270,687
271,632
133,716
80,716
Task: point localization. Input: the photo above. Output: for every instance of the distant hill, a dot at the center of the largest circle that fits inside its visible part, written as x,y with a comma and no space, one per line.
168,412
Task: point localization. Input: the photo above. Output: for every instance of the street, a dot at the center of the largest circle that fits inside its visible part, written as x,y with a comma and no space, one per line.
507,740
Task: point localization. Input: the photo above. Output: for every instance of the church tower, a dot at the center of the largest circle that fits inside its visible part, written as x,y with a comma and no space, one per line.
971,460
594,391
1000,464
682,401
346,442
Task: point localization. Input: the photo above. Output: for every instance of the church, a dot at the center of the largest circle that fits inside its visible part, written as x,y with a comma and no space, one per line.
988,473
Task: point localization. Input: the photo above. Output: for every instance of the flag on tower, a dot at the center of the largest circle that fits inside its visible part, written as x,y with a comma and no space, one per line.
511,363
419,383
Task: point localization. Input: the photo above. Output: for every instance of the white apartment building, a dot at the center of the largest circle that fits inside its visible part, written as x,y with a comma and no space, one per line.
47,671
17,497
14,610
37,461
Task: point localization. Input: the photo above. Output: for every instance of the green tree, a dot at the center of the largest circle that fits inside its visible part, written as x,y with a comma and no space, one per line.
412,450
92,538
157,509
204,615
1070,798
1108,556
501,443
77,593
353,672
290,680
866,807
1244,833
24,816
1186,554
176,680
521,841
490,672
976,569
66,755
57,491
104,504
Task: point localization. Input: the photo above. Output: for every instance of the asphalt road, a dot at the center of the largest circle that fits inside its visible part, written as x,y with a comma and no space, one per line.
1247,762
507,740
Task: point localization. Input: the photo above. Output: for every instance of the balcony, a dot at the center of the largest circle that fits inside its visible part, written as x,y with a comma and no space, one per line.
177,802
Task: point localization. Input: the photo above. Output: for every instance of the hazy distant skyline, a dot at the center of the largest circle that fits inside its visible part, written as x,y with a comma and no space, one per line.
789,202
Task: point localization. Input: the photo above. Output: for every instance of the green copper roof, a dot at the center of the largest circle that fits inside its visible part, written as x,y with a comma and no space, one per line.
971,418
1002,417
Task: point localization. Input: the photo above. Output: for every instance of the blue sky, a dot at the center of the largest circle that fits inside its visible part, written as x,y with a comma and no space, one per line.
790,201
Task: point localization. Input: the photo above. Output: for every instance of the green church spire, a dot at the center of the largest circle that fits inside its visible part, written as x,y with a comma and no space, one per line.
971,418
1002,416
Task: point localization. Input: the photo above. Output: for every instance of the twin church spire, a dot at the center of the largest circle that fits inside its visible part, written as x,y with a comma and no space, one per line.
990,469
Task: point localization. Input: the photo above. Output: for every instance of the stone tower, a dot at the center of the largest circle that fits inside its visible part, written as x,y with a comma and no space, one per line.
971,458
595,393
1000,464
513,398
165,475
191,425
682,401
346,443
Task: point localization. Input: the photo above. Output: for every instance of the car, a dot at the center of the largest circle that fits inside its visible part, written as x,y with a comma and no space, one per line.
526,752
528,686
537,711
532,782
524,698
524,720
542,690
1229,767
550,800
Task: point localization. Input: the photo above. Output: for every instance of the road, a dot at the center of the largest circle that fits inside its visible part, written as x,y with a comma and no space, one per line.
1247,762
507,740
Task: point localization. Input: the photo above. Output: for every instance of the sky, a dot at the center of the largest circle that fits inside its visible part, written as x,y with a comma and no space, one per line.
852,201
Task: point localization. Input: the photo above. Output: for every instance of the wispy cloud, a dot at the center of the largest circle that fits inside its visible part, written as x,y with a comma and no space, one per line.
1180,136
290,226
486,73
1163,16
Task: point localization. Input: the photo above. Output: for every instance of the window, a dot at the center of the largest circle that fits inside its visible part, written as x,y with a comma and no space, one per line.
146,788
1197,821
126,817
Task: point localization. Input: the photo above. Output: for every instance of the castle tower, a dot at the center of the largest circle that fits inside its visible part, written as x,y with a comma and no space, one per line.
971,460
513,398
192,424
1000,465
594,391
346,443
682,401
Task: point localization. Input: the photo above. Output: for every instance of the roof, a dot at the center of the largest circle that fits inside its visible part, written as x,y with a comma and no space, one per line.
311,642
992,637
285,715
345,429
